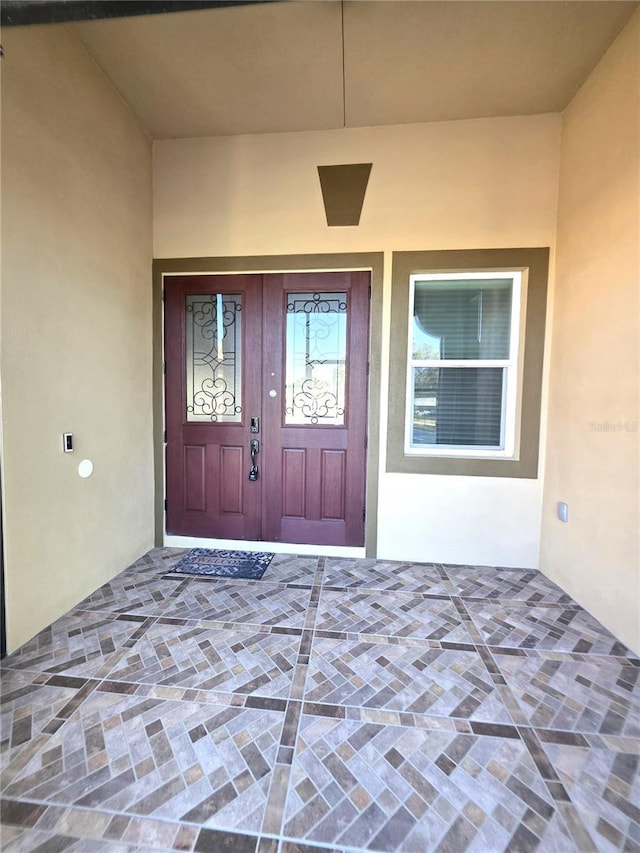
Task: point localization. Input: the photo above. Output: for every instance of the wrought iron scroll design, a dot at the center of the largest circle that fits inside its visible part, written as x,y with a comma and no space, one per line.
213,339
316,346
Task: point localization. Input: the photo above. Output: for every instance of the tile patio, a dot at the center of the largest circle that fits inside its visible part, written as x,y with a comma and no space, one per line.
335,705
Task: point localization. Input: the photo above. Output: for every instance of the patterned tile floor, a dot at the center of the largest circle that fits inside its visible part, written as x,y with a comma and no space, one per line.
335,705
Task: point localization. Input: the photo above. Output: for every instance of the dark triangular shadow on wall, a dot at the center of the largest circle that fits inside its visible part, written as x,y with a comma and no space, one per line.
343,189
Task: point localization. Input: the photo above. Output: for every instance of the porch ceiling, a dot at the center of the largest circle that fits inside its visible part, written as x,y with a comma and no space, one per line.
282,67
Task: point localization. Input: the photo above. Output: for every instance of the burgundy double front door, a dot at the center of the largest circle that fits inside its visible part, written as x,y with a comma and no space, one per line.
266,406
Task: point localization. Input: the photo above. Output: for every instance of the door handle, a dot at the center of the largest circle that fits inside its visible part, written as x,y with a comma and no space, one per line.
254,449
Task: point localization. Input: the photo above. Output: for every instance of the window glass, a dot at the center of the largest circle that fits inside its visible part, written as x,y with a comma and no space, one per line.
213,335
462,319
462,372
316,346
457,407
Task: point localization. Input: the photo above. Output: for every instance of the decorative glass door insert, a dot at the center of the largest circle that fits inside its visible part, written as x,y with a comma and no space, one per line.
213,357
316,347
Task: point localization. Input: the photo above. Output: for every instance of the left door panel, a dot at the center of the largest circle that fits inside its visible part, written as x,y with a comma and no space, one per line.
213,356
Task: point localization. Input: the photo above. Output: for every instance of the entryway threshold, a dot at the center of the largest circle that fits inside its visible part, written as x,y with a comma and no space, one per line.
171,541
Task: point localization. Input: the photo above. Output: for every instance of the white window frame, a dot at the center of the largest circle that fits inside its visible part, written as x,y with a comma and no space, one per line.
512,367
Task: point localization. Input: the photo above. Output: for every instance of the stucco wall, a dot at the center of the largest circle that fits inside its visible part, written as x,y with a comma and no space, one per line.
593,460
468,184
76,328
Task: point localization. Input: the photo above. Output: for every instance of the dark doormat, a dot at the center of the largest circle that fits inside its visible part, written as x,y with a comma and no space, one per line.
202,562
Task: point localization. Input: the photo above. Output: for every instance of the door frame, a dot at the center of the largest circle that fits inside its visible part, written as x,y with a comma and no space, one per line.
373,262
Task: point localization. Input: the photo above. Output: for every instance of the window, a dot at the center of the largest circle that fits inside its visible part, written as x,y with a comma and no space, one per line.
462,377
466,357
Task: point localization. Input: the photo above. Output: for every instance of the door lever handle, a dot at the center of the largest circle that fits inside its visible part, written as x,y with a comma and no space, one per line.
254,449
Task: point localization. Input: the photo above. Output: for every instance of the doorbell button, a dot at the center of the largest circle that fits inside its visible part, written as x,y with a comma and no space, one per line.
273,393
85,468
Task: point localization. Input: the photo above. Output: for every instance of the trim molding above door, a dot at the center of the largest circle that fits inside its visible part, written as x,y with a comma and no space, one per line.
372,261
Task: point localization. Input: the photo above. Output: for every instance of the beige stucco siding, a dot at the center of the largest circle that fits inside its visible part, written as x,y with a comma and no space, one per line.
593,458
76,328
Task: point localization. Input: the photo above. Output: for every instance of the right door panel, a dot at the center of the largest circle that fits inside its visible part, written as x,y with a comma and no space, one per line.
314,407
